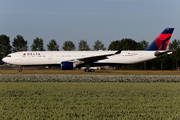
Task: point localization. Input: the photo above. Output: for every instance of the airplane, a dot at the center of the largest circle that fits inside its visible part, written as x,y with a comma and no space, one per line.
69,60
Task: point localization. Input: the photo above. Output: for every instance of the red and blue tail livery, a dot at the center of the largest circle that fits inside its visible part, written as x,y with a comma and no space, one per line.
161,42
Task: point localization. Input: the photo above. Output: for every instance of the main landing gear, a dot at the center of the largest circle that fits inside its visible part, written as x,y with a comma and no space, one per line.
20,69
89,70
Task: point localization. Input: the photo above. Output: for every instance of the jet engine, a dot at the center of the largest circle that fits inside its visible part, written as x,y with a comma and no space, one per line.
67,65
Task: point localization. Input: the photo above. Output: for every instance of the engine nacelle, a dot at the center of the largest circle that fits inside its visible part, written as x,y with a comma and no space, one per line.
67,65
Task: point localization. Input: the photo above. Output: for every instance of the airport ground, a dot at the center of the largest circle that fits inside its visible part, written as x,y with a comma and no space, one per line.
89,100
97,72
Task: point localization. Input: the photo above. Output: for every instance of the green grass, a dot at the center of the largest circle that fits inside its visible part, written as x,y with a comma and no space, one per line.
89,100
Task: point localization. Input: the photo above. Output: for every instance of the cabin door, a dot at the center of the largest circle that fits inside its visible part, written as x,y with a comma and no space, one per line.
17,57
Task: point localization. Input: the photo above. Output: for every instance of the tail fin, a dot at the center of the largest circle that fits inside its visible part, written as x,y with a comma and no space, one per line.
161,42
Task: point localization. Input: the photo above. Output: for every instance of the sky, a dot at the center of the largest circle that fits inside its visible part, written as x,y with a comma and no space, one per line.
89,20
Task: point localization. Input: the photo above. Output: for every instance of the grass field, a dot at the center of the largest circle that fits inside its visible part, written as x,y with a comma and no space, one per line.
104,94
89,101
102,72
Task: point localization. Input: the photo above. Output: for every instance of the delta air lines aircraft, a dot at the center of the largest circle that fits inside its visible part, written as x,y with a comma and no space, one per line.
74,59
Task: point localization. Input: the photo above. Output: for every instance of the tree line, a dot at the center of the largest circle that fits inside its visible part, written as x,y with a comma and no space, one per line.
169,62
20,44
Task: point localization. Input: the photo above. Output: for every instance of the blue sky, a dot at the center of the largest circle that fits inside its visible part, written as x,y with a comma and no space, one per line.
90,20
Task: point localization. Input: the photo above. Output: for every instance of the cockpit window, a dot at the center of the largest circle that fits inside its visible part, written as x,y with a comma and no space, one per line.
8,55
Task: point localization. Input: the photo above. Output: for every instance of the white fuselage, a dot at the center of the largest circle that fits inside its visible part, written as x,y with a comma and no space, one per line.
56,57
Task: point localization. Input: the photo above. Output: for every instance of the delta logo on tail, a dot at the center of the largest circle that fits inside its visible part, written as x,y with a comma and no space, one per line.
161,42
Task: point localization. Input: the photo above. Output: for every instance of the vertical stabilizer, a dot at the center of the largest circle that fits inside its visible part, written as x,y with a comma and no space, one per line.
161,42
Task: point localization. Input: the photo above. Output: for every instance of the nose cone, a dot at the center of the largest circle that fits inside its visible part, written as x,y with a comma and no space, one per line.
4,59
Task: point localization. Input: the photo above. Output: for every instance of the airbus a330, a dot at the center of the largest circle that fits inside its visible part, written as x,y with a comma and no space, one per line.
75,59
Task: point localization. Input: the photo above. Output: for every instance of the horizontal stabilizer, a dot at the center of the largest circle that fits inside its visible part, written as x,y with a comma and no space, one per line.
160,54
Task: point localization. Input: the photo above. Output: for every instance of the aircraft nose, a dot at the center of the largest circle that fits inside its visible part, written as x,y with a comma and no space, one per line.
4,59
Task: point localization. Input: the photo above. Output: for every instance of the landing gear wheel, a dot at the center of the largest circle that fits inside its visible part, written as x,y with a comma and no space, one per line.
86,70
20,70
92,70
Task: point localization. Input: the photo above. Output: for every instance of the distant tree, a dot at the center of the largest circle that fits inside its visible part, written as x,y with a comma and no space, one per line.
99,46
124,44
128,44
53,46
115,45
5,47
68,46
142,45
83,46
175,45
37,45
19,44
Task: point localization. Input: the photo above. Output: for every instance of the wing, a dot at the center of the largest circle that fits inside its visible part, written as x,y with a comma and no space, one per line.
99,57
94,58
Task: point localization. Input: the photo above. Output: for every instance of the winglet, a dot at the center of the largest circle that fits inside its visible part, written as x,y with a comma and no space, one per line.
118,52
